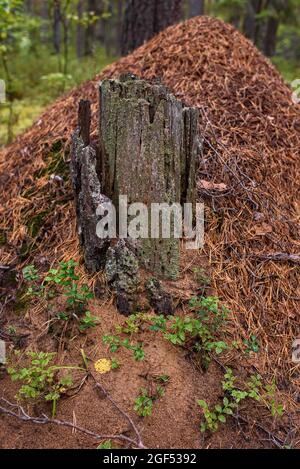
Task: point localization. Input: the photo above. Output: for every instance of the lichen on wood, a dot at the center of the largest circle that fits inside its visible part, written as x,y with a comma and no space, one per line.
148,151
148,145
88,197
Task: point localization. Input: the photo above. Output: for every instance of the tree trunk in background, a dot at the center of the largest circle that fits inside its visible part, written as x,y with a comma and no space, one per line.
80,32
120,5
90,31
44,12
108,26
196,8
57,26
271,37
145,18
251,25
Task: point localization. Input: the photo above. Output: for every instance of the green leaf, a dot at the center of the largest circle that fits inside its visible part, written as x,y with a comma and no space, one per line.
222,418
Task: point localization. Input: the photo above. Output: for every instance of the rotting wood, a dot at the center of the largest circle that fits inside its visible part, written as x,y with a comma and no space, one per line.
148,152
148,145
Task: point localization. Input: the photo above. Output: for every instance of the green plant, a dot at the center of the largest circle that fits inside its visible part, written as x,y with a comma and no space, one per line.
11,330
251,344
162,379
114,343
199,331
115,364
276,408
105,445
30,273
143,404
77,297
62,280
201,278
234,397
209,310
64,275
158,323
39,378
88,321
218,414
138,350
131,325
31,276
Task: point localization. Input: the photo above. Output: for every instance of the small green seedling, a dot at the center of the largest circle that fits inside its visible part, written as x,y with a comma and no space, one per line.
113,342
234,397
88,321
30,273
251,344
201,277
31,276
62,281
106,445
39,378
143,404
115,364
138,350
217,415
162,379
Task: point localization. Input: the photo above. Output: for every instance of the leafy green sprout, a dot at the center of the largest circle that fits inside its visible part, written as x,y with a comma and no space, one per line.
115,364
115,343
201,277
162,379
39,378
106,445
143,404
62,279
251,344
88,321
234,397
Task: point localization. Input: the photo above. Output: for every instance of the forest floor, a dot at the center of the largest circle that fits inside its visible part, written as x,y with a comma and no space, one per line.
250,131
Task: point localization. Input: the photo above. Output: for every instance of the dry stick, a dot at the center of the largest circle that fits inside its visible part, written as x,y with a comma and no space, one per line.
126,416
44,420
279,256
272,438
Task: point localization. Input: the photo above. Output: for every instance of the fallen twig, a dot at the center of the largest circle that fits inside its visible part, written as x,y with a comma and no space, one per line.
279,256
20,414
126,416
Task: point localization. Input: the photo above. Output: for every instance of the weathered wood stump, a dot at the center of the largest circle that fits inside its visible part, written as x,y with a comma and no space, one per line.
148,142
148,154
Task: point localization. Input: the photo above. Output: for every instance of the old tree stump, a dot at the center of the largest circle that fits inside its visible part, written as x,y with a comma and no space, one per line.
147,153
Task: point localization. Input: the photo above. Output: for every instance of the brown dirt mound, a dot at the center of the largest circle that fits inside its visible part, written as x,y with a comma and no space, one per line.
251,144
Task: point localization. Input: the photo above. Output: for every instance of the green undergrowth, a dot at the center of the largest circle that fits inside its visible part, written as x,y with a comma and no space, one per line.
200,332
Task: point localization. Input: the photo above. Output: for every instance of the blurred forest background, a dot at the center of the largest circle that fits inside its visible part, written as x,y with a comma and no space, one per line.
49,46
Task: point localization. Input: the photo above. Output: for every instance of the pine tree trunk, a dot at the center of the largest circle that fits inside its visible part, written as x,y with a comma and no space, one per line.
196,8
80,33
251,25
57,27
145,18
90,31
271,37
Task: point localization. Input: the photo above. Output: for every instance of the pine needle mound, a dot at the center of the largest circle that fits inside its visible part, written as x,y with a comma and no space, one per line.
248,178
